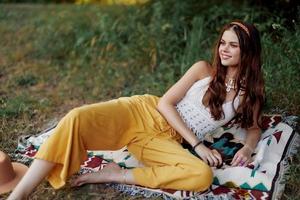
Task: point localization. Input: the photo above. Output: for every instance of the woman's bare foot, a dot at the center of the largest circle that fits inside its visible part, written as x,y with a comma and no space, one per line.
112,172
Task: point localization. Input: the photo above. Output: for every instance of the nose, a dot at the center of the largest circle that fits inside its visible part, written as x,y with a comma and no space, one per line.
224,47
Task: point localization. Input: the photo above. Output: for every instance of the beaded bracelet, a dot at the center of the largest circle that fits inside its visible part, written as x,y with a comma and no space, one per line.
196,145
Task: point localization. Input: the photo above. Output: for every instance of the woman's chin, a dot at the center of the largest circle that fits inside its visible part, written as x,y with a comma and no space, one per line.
228,63
225,63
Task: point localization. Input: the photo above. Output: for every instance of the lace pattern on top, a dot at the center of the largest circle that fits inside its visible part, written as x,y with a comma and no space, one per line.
198,117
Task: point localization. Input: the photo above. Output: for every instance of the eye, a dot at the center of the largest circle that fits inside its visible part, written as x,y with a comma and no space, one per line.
222,42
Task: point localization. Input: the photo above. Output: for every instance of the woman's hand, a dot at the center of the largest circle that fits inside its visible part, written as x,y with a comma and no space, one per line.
211,157
242,157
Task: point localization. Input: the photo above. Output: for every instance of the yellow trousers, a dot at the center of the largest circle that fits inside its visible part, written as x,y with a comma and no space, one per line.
128,121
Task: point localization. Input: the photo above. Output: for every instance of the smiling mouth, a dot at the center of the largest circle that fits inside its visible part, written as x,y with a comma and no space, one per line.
225,57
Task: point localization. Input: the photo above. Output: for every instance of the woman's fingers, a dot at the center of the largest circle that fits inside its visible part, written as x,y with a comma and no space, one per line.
247,161
214,159
236,160
218,156
240,161
210,160
210,157
205,160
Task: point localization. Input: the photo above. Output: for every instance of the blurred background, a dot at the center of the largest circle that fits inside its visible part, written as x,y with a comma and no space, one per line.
55,55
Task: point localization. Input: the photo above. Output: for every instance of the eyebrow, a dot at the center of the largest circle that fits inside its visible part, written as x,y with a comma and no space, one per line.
231,42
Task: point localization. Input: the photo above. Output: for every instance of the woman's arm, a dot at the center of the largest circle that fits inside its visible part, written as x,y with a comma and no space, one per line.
167,103
243,156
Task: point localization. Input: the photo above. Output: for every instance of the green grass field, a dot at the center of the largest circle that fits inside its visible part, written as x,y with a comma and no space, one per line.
56,57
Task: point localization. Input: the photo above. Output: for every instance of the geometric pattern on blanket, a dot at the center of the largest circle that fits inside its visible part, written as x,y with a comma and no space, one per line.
261,179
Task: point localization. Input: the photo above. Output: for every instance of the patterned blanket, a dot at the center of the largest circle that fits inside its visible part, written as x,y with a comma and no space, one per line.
261,179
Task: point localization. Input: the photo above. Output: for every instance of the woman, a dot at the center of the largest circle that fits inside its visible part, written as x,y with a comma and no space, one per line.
153,128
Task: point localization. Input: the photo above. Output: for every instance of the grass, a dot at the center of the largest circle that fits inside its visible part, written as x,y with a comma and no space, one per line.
56,57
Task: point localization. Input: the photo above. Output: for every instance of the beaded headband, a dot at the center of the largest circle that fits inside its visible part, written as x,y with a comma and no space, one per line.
242,26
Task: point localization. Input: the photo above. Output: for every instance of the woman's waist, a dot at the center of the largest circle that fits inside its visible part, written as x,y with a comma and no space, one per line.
145,107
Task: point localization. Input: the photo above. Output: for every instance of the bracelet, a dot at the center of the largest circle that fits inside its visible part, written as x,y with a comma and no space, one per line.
196,145
248,147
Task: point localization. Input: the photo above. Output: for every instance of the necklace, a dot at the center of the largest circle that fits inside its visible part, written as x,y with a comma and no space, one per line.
230,84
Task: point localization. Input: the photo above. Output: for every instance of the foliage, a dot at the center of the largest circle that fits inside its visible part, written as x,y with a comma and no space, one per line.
112,2
53,58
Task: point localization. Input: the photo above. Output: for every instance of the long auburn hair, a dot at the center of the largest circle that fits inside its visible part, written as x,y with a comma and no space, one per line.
249,76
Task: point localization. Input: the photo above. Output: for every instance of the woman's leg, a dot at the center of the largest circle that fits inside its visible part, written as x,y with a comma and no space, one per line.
35,174
170,166
101,126
112,173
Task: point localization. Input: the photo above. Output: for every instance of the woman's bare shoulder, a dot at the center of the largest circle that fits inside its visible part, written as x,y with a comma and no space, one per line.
204,69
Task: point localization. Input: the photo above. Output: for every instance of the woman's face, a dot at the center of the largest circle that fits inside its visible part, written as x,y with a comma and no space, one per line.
229,49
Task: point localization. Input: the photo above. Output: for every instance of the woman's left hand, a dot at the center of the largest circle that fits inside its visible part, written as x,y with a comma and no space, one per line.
242,157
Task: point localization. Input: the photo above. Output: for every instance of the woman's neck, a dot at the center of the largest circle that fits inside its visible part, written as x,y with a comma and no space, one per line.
231,72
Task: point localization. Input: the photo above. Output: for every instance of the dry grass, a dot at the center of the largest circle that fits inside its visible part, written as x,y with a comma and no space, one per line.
54,58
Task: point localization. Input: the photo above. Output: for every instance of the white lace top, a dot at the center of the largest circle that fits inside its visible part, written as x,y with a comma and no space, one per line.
198,117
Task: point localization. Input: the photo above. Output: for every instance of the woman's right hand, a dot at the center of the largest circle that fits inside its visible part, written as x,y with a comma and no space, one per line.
211,157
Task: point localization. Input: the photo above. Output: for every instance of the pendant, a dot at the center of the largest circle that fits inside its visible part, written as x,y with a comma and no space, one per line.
230,85
227,88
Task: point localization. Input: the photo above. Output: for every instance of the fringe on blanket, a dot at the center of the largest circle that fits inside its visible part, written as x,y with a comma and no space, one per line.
292,121
135,190
20,158
286,163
